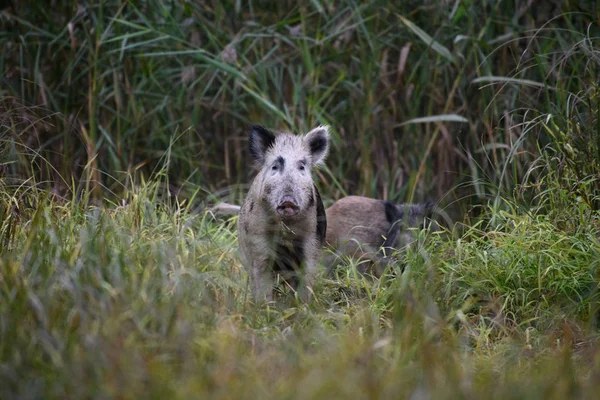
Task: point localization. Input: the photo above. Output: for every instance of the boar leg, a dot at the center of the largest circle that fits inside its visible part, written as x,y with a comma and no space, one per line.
307,280
262,280
307,276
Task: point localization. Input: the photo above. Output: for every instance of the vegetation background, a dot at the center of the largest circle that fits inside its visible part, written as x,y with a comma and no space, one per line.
120,120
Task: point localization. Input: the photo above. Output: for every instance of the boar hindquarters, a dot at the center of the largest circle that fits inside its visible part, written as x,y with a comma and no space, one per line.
372,229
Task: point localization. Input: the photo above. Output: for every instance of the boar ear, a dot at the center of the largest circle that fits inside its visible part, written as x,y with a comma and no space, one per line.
318,143
260,139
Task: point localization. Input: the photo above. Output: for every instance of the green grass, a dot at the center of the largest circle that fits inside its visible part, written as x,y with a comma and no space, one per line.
149,299
121,120
419,96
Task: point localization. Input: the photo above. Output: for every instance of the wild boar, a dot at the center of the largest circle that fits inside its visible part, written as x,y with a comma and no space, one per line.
372,229
282,222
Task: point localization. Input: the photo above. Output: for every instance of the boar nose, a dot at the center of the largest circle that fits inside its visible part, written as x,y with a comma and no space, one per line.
287,207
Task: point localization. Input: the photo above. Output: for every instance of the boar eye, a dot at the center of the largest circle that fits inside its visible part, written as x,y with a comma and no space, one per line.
278,164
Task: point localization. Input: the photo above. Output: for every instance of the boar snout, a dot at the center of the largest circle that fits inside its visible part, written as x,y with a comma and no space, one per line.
287,207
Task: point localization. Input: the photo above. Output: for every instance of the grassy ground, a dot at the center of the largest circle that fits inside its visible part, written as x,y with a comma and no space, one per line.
120,119
148,299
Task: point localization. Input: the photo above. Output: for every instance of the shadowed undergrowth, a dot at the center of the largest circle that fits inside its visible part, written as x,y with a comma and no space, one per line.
421,97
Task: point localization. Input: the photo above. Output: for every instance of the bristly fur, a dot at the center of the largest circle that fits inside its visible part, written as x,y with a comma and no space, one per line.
282,221
321,219
373,229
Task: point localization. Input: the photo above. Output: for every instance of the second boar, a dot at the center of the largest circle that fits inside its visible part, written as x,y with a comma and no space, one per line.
372,229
